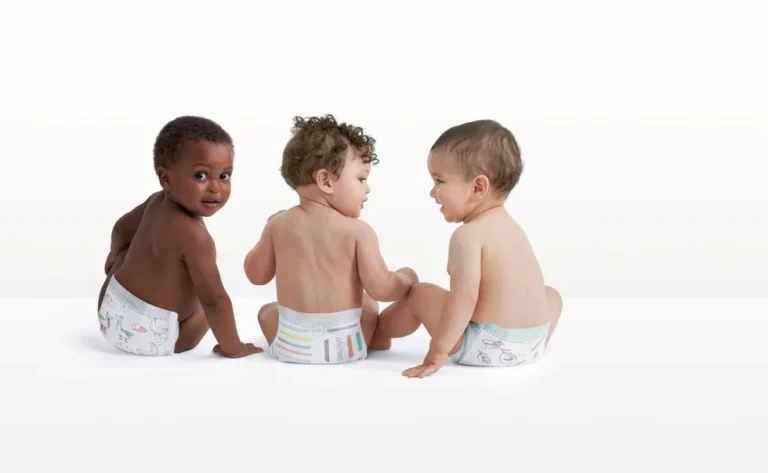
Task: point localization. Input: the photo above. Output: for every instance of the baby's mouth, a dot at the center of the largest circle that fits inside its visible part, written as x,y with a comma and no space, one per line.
211,202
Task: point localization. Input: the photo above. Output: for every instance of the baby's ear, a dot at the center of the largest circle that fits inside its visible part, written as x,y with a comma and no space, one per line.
324,181
481,185
165,178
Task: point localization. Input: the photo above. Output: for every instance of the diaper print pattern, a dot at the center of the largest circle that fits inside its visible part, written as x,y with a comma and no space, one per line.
296,344
127,329
489,345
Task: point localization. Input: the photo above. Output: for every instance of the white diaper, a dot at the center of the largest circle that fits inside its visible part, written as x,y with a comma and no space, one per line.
134,326
315,338
491,345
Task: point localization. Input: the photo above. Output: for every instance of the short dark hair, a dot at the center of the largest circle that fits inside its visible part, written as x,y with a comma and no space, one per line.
321,143
484,147
186,128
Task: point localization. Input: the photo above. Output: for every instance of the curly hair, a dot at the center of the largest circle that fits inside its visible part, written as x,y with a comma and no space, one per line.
321,143
186,128
484,147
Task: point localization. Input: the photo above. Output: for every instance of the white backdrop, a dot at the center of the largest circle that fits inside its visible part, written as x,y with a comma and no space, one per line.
642,126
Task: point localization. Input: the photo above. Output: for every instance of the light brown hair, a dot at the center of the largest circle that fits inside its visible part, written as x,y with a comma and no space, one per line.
321,143
484,147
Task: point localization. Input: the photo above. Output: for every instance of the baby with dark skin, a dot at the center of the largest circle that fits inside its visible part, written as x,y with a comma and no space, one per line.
161,251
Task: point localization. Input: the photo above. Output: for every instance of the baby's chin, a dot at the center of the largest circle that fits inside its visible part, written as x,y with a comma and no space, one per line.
349,213
451,218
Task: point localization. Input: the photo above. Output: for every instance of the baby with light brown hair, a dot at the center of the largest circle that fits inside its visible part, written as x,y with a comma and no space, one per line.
498,311
327,264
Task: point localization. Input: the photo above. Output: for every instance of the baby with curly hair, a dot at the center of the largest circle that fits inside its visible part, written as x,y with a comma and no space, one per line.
327,264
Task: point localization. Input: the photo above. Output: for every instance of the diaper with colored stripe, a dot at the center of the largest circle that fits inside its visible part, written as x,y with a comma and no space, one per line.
318,338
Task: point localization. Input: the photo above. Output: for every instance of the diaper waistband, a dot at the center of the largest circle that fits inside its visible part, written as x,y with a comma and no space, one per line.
329,321
128,301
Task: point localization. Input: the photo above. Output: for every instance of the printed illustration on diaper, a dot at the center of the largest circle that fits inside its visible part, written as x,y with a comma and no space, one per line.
161,333
154,350
506,357
104,322
123,335
482,357
138,328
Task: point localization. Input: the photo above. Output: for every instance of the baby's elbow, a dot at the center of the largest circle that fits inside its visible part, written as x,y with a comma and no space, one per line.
383,291
214,300
377,294
258,276
258,279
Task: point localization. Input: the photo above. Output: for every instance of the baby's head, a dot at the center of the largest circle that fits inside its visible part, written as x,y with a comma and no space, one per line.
331,161
473,164
193,160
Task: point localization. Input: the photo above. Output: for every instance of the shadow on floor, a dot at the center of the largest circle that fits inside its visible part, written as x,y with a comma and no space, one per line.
95,342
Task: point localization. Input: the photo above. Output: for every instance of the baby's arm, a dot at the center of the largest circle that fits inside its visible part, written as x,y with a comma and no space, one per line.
260,263
123,232
464,256
199,253
464,260
378,281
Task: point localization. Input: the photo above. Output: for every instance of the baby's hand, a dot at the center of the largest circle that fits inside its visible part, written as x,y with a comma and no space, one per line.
111,259
410,274
432,362
245,349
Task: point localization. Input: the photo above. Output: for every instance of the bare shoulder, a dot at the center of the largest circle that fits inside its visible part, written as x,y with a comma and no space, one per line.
468,235
191,235
153,198
361,230
465,250
286,220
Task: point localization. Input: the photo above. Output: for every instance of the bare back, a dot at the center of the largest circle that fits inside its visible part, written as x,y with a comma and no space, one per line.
316,262
511,293
154,270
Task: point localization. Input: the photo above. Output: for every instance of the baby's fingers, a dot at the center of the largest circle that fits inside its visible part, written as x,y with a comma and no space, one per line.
253,349
414,372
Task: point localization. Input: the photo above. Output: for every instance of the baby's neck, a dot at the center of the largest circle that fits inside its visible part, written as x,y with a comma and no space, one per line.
485,207
309,198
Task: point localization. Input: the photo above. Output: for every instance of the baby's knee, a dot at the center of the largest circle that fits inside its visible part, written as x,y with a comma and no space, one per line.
554,300
266,312
369,304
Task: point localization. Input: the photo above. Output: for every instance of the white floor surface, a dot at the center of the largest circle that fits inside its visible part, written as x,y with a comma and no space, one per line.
626,385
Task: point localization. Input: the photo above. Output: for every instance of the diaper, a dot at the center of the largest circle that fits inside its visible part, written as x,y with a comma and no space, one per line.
132,325
491,345
315,338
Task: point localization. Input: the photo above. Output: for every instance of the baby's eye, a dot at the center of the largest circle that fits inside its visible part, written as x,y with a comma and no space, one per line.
225,176
363,179
201,176
438,181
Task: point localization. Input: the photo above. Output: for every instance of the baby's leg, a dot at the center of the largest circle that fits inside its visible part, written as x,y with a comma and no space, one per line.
191,331
554,308
268,319
422,305
118,262
370,318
